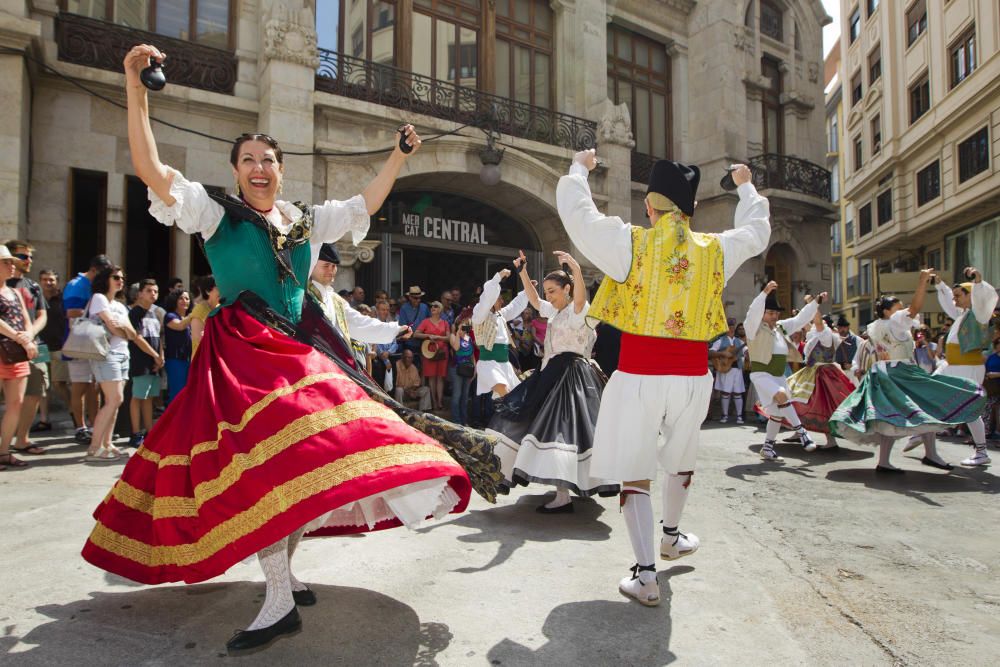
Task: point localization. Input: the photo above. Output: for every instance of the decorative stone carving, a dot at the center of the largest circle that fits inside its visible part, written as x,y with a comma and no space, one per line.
743,39
350,255
615,126
814,72
290,36
591,29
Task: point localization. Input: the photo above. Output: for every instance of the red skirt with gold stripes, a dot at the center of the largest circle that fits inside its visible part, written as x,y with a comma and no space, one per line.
268,436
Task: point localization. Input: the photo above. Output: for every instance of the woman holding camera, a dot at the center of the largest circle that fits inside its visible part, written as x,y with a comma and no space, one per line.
461,370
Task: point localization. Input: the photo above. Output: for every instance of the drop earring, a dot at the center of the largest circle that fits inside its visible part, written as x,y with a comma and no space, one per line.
236,188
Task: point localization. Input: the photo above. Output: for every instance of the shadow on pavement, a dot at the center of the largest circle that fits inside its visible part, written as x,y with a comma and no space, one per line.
189,625
917,483
600,632
512,526
797,461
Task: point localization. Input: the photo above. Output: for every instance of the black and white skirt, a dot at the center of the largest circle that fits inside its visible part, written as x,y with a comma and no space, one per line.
546,427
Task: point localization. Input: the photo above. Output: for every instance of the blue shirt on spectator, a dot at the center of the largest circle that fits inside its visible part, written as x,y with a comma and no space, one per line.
76,294
993,363
412,317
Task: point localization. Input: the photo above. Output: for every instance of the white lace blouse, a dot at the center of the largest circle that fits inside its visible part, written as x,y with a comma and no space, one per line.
567,331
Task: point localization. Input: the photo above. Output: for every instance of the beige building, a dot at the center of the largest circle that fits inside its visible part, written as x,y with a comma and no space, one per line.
919,141
707,82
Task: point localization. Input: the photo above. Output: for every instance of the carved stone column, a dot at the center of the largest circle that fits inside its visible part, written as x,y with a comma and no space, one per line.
614,136
569,76
289,59
679,99
350,256
15,108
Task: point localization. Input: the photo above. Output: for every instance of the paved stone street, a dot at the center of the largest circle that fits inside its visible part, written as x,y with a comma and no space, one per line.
815,562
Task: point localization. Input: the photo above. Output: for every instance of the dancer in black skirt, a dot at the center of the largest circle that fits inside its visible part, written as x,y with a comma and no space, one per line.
546,424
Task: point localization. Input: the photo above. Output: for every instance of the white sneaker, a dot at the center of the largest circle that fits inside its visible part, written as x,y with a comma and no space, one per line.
645,594
682,545
723,420
913,443
806,440
768,454
739,420
980,458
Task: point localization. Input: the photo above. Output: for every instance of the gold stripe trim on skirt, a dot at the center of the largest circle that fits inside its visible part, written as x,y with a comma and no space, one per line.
269,506
248,415
162,507
302,428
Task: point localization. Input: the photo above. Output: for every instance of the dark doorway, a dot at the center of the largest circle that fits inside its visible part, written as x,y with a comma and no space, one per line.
88,218
148,246
435,271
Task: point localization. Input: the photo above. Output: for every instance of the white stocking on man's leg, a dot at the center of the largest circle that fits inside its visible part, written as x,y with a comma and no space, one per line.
637,508
977,429
792,417
675,493
725,405
278,601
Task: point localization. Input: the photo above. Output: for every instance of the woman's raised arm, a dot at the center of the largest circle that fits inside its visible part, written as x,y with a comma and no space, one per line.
142,145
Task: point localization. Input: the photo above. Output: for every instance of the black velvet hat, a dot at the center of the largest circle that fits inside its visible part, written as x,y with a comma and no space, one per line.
328,253
676,182
771,302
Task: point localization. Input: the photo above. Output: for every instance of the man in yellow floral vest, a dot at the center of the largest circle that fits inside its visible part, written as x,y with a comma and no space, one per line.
663,290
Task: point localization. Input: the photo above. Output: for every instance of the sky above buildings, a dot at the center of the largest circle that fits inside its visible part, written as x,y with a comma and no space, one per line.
831,33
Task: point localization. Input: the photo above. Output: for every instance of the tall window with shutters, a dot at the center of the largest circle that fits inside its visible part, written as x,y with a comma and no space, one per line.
639,76
206,22
524,62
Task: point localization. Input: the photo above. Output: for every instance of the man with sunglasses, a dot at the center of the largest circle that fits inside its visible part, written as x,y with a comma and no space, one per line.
38,381
83,391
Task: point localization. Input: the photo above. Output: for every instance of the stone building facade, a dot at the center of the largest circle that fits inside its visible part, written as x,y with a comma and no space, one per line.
709,82
920,148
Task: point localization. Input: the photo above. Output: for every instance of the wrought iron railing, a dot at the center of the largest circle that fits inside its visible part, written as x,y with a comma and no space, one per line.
642,165
390,86
784,172
95,43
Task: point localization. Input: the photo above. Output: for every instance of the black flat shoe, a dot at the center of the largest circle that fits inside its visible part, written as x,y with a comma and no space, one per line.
245,640
934,464
562,509
889,471
304,598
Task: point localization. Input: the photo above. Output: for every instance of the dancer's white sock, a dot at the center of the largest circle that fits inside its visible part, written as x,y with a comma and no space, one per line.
638,513
884,450
739,405
725,405
789,413
773,426
930,447
562,498
674,497
978,431
278,600
293,542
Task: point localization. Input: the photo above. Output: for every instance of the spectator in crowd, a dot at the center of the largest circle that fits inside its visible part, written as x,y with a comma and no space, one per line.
447,312
208,300
408,385
14,325
528,347
991,414
357,297
461,370
924,349
380,295
177,341
38,381
434,334
386,354
111,373
174,283
848,347
608,347
83,391
145,361
411,314
52,335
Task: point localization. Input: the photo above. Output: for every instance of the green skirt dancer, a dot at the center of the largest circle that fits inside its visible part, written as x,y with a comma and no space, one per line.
899,399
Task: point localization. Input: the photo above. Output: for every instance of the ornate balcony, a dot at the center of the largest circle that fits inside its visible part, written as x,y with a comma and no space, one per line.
383,84
784,172
93,43
642,165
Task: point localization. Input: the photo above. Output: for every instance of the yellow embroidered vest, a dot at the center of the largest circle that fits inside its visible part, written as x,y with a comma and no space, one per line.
674,287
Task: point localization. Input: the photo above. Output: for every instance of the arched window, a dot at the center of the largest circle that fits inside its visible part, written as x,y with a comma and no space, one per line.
771,20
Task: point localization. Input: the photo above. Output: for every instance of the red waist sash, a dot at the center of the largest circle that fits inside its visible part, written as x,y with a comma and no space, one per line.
645,355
